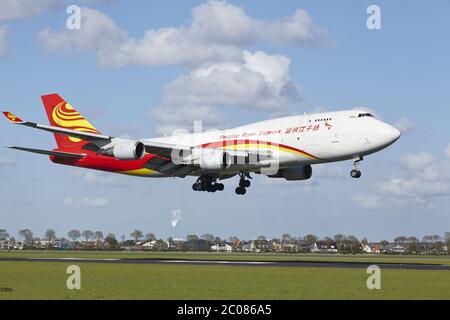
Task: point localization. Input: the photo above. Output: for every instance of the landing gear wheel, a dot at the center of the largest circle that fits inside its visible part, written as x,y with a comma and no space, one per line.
356,174
244,183
219,186
207,183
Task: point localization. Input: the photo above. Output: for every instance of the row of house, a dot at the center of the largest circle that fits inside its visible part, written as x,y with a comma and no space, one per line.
11,245
254,246
406,248
58,243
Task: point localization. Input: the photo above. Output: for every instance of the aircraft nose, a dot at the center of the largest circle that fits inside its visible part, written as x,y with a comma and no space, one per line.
394,133
389,133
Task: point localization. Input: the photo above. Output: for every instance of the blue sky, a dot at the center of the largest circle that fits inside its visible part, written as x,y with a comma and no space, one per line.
401,72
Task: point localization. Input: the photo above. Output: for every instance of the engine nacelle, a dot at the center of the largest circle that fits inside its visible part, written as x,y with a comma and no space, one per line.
214,159
294,173
132,150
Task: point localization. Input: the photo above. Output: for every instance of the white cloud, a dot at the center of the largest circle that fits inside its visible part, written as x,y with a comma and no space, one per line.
94,202
15,9
217,33
413,186
170,119
297,29
422,179
258,81
99,179
405,126
447,151
3,45
417,161
98,33
369,201
213,42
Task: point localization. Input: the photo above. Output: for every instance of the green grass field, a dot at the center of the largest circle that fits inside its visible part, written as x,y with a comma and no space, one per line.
442,260
36,280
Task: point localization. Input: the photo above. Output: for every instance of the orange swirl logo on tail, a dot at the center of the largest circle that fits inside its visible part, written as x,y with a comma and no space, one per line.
11,117
66,116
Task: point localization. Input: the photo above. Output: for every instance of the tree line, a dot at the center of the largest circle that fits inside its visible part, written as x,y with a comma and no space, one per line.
137,235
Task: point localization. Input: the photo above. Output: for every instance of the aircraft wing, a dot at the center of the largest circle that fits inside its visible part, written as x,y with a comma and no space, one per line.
67,132
186,154
60,154
165,150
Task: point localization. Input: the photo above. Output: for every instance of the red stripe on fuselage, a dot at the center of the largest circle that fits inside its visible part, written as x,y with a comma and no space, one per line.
227,143
100,162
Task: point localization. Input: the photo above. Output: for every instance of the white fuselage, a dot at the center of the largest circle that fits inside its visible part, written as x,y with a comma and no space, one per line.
305,139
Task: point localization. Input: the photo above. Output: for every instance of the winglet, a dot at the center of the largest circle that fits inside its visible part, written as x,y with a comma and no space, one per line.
12,118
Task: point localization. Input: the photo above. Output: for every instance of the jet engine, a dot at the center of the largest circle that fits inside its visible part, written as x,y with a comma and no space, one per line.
214,159
294,173
132,150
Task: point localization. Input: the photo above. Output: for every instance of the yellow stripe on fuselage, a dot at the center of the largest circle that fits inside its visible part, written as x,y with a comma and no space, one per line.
139,172
247,147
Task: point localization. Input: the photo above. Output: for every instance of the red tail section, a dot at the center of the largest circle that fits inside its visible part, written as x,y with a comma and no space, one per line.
61,114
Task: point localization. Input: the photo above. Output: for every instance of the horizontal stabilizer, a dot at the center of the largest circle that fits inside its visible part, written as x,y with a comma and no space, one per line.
87,136
12,118
60,154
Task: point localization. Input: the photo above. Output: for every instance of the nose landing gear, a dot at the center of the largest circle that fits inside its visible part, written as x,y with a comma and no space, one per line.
243,184
356,173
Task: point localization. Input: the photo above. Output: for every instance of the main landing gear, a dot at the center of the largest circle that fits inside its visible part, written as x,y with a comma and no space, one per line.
356,173
243,183
208,184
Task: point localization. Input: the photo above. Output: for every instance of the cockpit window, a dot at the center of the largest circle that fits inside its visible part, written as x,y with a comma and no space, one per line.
365,115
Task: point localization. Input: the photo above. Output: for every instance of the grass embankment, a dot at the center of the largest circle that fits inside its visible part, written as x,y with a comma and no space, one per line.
442,260
39,280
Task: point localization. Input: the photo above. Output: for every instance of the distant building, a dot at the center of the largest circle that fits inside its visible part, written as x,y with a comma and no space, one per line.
325,247
11,245
197,245
304,247
148,245
284,247
247,247
366,248
43,243
161,245
237,246
260,246
378,248
62,244
225,247
91,245
128,245
155,245
399,249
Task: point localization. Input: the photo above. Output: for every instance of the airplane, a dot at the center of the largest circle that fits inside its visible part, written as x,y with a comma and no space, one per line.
282,148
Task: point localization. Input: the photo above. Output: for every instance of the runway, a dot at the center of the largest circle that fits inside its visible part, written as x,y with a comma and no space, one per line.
232,263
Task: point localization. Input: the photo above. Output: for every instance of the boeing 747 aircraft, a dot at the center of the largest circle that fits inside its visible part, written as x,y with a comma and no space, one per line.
283,148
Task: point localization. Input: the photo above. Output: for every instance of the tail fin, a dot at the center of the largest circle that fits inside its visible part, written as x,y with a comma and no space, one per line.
61,114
